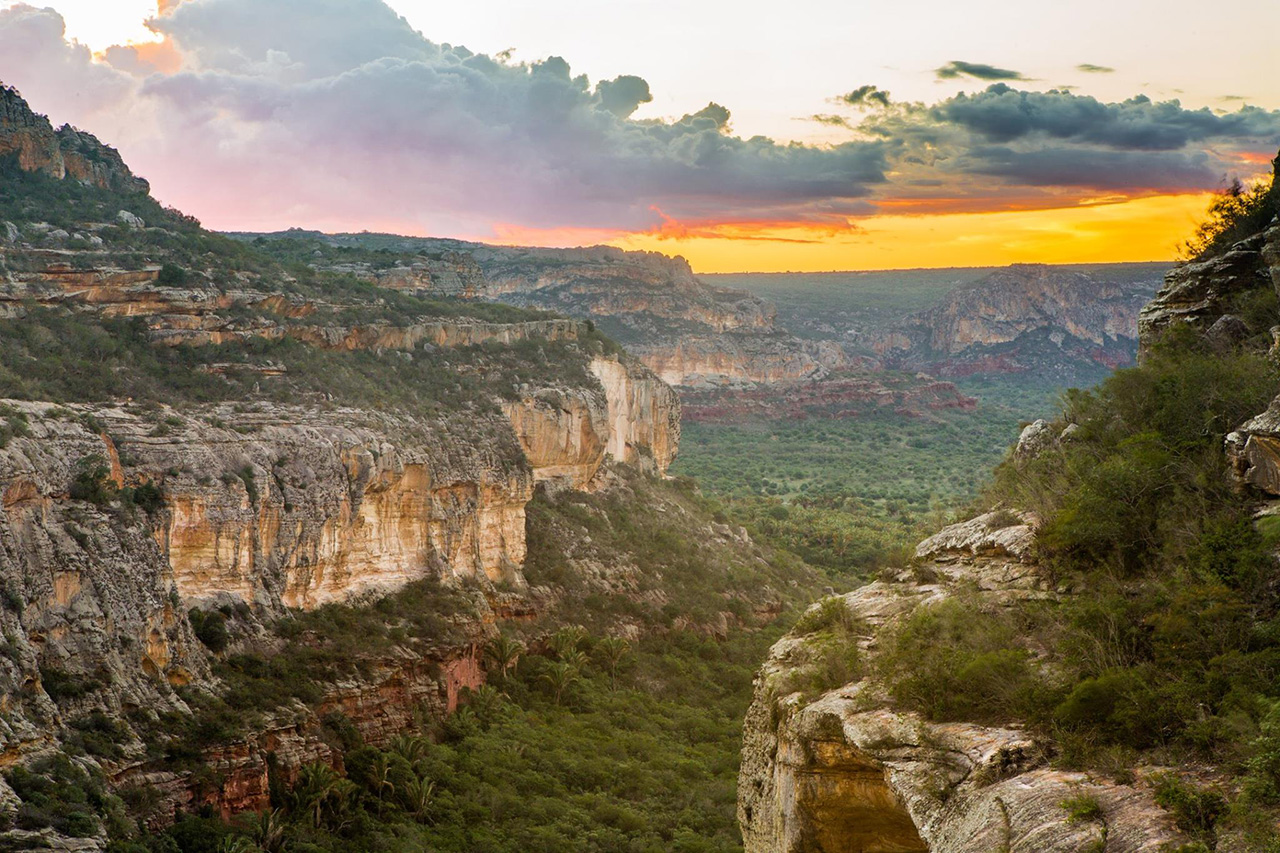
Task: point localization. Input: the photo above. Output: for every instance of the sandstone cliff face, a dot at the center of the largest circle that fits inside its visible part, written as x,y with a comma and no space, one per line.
850,771
66,153
979,328
643,414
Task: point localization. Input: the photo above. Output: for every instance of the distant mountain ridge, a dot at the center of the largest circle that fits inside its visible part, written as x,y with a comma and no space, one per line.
1027,317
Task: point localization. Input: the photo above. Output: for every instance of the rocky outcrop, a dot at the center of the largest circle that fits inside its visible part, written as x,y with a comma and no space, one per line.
1253,450
1199,293
66,153
849,770
444,273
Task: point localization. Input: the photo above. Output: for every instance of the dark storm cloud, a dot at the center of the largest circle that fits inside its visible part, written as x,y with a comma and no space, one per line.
1058,138
1003,114
1164,171
978,70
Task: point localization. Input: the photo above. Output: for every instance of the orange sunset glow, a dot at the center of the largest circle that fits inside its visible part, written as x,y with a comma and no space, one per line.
255,119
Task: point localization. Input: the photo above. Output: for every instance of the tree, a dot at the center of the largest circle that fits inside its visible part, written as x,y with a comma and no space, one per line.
322,794
417,796
560,676
412,748
612,650
567,639
504,652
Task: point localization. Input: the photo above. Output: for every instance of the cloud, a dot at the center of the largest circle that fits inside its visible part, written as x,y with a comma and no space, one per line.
1090,68
338,114
1058,139
1003,114
319,109
866,96
978,70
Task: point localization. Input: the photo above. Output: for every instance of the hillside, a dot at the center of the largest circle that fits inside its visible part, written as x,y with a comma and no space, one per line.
1089,663
267,526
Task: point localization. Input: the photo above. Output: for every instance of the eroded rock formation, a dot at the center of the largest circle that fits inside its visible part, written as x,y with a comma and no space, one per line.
1024,317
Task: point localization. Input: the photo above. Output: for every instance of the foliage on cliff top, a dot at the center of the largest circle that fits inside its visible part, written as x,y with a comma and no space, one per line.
61,356
1239,211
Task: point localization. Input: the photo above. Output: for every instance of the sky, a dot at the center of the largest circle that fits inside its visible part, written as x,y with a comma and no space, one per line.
810,135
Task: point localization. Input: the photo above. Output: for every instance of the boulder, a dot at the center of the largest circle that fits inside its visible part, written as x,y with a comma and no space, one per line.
9,232
1254,451
130,220
1226,333
1035,437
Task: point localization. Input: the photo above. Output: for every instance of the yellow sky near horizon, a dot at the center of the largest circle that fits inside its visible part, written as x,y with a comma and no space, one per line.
1143,229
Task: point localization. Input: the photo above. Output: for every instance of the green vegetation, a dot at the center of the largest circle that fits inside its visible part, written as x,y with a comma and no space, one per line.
648,765
582,741
851,494
52,354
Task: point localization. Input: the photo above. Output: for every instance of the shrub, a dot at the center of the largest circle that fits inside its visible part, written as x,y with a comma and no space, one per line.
92,481
210,628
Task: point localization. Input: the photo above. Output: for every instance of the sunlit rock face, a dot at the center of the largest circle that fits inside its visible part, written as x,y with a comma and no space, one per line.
852,771
643,415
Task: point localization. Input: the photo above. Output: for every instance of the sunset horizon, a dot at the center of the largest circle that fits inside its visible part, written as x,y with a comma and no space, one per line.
226,108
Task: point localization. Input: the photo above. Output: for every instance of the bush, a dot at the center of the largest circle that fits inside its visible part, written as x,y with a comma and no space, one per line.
952,661
210,628
92,481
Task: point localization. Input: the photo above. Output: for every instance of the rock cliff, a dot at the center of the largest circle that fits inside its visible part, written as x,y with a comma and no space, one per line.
846,769
1200,293
687,331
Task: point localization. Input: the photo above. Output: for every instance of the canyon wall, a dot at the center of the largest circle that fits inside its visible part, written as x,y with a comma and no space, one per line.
1027,317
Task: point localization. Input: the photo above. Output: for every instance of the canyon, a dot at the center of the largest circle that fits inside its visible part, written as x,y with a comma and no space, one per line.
842,750
249,483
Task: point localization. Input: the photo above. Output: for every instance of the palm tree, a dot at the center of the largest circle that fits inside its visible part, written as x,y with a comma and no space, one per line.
567,639
505,653
268,831
380,777
237,844
412,748
612,650
486,701
576,658
317,782
559,677
418,796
